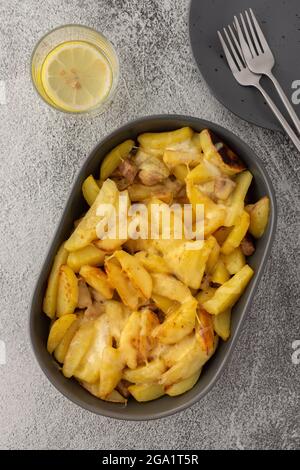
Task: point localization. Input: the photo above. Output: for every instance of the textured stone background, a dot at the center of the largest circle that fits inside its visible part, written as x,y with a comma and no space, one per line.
256,402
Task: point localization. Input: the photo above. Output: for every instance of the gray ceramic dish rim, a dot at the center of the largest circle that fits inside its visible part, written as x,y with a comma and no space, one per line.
234,337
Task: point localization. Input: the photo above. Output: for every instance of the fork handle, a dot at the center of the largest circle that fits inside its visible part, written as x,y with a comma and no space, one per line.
285,100
280,118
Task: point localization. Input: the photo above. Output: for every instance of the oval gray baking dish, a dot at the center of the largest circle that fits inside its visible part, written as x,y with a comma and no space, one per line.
39,323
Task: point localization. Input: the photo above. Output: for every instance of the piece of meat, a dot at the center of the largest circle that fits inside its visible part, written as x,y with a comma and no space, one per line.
151,169
124,174
247,245
96,296
84,295
128,170
223,187
94,310
150,177
122,387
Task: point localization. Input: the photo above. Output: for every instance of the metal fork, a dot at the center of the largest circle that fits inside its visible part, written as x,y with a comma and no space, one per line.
259,57
245,77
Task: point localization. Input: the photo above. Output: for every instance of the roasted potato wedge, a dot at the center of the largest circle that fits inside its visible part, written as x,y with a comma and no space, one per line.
187,264
173,353
130,296
228,294
89,255
259,216
221,324
237,198
114,158
220,273
188,365
50,299
234,261
236,234
62,348
148,322
97,279
113,397
149,373
78,347
146,392
58,331
86,230
111,367
67,293
152,262
218,153
178,324
163,140
164,304
129,341
167,286
88,369
183,386
135,271
90,190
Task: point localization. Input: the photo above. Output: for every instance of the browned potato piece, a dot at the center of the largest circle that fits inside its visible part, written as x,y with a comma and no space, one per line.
97,279
67,293
90,190
113,397
135,271
146,392
164,304
86,230
234,261
148,321
220,154
220,273
228,294
78,347
50,299
110,370
237,234
90,255
130,296
178,324
259,216
167,286
221,324
62,349
58,330
181,387
114,158
88,368
162,140
148,373
129,341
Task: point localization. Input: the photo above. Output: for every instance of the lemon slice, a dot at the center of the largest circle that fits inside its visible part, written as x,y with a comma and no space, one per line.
76,76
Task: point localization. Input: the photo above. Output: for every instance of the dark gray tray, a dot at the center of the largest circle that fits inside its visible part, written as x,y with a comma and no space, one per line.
280,21
39,323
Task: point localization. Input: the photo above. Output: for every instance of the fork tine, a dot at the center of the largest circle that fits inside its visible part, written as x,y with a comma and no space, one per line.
250,42
260,34
245,48
237,44
230,60
253,34
233,51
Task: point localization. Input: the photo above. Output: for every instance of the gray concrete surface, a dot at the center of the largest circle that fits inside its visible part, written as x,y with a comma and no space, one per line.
256,402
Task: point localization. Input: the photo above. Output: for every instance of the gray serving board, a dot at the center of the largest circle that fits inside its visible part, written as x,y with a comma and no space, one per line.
280,21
